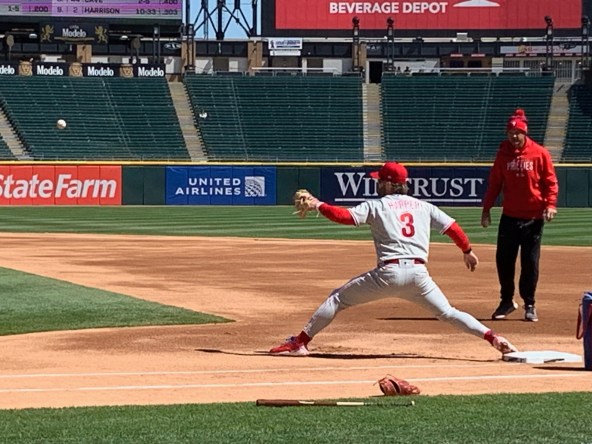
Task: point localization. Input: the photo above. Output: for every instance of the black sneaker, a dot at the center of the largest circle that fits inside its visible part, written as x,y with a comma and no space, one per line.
530,313
504,309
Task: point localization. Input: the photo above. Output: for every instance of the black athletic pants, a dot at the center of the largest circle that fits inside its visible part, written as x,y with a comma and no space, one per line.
514,234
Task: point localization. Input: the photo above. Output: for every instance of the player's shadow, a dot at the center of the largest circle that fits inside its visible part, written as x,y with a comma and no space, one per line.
347,356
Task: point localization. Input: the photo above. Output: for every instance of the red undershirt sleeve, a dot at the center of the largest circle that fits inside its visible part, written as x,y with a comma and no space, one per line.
456,233
336,214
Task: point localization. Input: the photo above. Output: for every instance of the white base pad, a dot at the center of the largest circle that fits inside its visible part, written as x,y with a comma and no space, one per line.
541,357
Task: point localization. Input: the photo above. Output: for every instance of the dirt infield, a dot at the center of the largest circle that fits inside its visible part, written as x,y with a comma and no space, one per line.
270,287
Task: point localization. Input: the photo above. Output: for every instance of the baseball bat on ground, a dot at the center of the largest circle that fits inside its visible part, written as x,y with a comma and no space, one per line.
300,403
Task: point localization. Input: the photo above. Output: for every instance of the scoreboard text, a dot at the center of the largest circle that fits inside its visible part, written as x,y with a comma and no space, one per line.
128,9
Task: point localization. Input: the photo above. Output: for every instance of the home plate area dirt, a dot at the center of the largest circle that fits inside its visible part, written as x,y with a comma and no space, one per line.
270,287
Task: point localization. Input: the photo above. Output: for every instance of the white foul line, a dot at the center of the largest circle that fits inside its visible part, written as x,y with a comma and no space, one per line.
217,372
275,384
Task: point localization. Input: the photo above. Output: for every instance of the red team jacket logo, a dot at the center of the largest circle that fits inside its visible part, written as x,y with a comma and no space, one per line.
520,165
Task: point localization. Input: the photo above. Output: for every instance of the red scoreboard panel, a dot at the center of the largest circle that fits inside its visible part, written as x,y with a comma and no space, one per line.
421,18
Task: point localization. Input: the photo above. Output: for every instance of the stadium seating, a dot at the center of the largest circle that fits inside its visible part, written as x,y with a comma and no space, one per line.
274,118
458,118
108,118
578,140
278,118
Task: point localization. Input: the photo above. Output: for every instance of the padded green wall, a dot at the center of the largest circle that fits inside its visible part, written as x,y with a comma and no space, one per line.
143,185
577,187
289,179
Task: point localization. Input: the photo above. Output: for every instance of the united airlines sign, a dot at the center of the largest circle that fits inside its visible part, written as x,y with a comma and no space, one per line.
454,186
224,185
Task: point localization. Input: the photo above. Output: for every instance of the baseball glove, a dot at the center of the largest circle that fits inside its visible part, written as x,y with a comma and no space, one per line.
393,386
304,202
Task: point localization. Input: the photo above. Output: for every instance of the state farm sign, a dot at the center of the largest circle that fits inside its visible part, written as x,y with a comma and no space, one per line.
60,185
458,15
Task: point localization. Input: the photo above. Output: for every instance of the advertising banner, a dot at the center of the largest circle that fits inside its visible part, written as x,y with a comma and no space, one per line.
221,185
457,15
100,69
82,69
8,68
74,32
46,69
60,185
154,70
564,49
443,186
284,47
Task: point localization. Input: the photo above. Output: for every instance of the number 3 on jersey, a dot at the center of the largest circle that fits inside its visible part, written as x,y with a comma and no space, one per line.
408,229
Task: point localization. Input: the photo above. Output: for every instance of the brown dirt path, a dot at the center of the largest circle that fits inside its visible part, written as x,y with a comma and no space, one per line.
270,287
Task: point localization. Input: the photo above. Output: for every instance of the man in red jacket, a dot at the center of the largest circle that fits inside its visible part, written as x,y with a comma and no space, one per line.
524,173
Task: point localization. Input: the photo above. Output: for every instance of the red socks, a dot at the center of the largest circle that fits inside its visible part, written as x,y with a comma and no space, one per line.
489,336
304,338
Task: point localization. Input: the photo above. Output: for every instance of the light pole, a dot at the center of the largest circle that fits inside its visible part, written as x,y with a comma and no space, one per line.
356,43
156,44
390,44
549,48
585,42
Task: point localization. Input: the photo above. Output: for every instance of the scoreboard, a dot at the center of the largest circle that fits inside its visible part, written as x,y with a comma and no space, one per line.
422,18
155,10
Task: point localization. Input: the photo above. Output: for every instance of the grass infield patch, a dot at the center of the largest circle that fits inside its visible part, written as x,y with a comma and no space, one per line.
504,418
31,303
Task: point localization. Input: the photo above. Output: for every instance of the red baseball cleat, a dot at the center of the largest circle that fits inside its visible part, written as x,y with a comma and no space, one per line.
291,347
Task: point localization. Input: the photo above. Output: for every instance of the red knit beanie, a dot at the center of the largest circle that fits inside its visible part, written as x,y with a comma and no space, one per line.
518,121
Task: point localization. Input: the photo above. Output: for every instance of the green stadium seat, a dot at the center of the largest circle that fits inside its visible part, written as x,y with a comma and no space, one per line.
458,119
578,138
279,118
108,118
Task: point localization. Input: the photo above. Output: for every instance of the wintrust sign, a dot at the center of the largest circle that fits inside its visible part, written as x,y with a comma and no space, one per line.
450,186
465,190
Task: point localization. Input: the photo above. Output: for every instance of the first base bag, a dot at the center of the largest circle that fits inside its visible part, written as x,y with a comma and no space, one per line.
585,328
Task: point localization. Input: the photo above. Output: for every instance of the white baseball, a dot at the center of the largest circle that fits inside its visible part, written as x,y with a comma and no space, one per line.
61,123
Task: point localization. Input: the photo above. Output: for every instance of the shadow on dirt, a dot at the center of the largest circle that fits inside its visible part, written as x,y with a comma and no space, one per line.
347,356
561,369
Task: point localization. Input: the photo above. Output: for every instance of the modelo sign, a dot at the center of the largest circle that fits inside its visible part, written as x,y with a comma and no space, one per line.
60,185
421,16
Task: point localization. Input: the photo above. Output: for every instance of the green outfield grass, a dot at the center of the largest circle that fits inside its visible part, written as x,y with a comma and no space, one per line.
572,226
497,419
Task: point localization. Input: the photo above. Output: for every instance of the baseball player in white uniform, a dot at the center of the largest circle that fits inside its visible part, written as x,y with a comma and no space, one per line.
400,226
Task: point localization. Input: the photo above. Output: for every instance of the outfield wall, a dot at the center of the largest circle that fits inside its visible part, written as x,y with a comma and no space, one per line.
86,184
